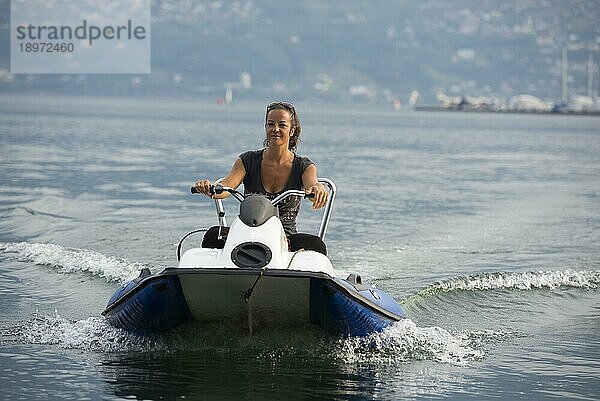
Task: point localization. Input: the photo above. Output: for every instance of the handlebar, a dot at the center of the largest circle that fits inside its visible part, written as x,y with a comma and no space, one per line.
219,189
326,212
291,192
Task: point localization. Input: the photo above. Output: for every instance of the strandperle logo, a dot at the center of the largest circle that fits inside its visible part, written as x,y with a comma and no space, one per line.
83,31
93,36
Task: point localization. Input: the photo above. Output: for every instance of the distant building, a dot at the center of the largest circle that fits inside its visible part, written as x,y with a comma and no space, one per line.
527,103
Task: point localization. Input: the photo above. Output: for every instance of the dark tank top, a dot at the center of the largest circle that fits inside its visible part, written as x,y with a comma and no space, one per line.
288,209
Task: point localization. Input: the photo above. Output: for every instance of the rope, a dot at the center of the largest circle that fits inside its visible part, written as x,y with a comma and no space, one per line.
248,293
292,258
249,319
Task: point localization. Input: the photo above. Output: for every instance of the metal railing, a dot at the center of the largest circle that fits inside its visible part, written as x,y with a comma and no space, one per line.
292,192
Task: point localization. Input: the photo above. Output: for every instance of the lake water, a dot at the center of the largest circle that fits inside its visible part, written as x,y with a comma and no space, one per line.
486,227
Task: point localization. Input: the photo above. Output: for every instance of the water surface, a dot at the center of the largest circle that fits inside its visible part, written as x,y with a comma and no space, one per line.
485,227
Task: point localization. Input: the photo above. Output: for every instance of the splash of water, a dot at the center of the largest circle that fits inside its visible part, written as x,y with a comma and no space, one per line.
93,334
97,335
69,260
404,342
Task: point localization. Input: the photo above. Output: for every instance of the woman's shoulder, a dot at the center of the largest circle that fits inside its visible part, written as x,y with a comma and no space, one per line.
251,154
302,161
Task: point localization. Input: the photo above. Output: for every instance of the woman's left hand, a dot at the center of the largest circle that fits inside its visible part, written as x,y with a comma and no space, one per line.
319,199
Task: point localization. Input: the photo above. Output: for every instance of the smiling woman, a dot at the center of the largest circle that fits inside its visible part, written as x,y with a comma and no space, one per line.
293,122
275,168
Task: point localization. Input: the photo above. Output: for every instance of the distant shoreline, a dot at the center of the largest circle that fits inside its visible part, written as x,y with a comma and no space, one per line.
470,110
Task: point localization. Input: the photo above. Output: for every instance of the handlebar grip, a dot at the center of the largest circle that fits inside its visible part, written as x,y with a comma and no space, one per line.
214,189
309,195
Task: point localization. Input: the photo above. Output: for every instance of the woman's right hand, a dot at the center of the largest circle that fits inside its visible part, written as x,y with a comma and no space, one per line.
203,186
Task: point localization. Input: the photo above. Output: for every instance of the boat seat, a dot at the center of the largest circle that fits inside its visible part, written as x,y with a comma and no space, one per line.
307,242
212,239
296,241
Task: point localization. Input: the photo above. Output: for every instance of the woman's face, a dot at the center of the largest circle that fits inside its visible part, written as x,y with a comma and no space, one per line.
278,127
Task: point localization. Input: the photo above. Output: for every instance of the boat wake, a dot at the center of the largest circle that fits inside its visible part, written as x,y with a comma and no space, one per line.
70,260
551,280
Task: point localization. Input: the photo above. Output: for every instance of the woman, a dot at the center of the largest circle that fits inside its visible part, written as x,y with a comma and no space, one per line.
276,167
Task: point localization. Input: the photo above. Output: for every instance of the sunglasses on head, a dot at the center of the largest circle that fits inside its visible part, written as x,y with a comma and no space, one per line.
287,105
